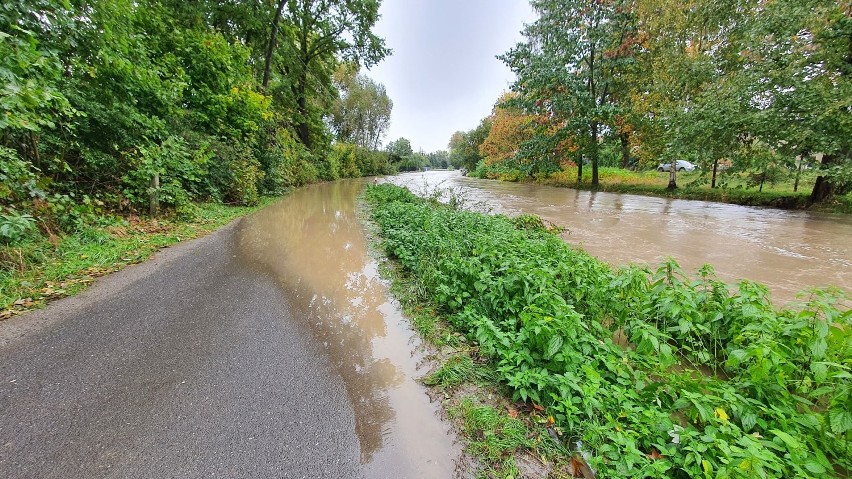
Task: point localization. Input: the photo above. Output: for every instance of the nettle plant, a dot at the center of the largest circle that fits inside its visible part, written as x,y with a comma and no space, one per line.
657,374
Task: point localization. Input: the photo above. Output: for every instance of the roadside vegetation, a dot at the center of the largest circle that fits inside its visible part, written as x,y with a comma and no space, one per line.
41,269
622,373
127,124
757,94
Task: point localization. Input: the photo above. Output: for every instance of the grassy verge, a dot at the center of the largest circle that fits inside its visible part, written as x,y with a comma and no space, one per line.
548,354
504,438
36,272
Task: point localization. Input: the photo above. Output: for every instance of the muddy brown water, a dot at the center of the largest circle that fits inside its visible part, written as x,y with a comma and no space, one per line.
313,243
788,251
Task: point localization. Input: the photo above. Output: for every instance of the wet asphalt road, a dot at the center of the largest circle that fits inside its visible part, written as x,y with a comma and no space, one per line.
189,365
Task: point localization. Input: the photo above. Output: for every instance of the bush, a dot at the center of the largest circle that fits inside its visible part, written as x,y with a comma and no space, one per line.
246,175
344,156
286,163
18,178
372,163
181,173
15,226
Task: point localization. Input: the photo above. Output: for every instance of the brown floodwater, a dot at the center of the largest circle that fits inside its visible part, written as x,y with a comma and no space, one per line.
314,245
788,251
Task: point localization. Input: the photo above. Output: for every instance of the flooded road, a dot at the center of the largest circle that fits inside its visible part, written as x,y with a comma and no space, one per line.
314,246
789,251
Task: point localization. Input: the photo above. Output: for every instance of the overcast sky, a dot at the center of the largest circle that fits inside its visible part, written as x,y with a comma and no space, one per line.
443,75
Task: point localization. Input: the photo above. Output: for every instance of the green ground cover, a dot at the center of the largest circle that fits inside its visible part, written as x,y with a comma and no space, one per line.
45,268
656,375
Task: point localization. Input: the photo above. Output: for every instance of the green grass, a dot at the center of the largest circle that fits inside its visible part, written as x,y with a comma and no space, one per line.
459,369
44,269
495,438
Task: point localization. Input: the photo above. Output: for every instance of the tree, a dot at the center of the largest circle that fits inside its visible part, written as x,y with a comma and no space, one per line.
464,146
361,113
799,61
439,159
510,128
399,149
566,68
316,33
689,103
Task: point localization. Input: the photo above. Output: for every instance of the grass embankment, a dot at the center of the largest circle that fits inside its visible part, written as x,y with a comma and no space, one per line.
653,374
50,268
734,187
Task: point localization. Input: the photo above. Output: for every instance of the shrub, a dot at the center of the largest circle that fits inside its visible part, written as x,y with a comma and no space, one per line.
181,173
15,226
285,162
18,178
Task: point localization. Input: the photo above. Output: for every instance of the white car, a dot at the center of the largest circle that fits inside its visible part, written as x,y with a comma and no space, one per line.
682,165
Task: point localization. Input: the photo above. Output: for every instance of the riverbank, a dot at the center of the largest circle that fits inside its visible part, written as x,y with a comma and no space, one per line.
631,372
44,269
735,188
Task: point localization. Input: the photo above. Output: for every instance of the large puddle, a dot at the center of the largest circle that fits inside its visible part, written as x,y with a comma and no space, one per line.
789,251
314,245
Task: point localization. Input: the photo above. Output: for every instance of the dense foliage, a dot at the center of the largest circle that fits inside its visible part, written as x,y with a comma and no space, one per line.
655,374
745,86
123,106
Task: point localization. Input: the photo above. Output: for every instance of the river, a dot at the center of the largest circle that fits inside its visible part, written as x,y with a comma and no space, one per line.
789,251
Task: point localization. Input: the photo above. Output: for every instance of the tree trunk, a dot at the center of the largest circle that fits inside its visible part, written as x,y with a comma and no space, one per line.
593,151
35,157
823,189
625,150
580,170
715,169
673,176
302,127
802,156
273,40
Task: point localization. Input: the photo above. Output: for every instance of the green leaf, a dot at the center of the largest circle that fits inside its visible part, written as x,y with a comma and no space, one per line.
814,467
789,440
818,348
841,420
553,346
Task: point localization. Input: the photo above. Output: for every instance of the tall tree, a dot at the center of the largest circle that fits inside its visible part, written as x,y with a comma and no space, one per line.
399,148
316,33
464,145
799,63
510,128
688,102
567,67
361,113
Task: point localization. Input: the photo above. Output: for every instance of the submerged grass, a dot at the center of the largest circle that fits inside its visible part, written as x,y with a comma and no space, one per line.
36,272
540,317
733,187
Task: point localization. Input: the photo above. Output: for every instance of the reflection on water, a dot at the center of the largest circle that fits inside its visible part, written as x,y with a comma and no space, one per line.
313,244
789,251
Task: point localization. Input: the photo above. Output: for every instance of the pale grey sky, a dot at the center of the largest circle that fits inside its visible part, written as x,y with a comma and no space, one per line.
443,75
